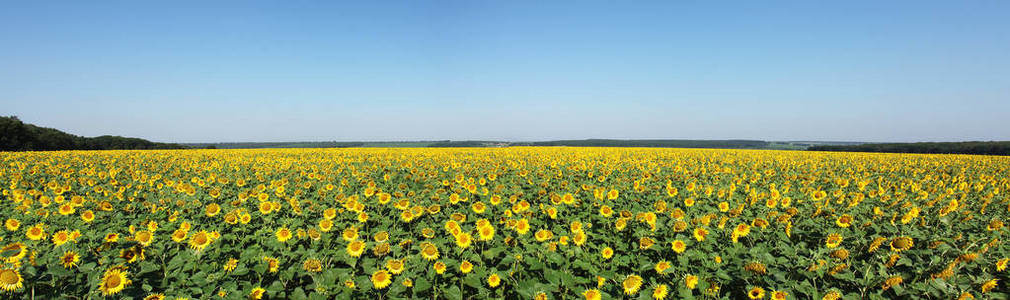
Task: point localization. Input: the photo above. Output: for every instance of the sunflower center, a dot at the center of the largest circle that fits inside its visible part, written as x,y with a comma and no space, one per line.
8,277
113,282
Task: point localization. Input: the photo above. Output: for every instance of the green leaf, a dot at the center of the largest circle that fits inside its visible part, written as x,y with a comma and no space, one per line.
421,284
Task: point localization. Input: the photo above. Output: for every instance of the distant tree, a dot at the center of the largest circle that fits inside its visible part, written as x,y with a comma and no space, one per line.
16,135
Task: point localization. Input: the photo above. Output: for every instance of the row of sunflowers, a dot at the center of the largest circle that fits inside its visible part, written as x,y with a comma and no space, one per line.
508,223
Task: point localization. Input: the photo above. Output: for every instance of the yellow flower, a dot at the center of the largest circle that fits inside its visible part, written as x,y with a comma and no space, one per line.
381,279
465,267
989,285
70,259
660,292
486,233
257,292
463,240
355,248
700,233
10,279
143,237
662,266
394,266
494,280
833,240
36,232
631,284
903,243
678,246
12,224
200,240
690,281
844,221
607,253
312,265
114,281
429,251
439,267
283,234
756,293
592,294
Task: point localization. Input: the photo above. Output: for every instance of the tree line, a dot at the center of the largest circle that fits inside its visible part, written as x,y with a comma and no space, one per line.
985,148
16,135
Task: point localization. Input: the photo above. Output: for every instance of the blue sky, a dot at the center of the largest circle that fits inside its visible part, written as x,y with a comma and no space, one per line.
232,71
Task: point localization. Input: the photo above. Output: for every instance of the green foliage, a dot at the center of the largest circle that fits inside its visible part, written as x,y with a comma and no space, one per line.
986,148
19,136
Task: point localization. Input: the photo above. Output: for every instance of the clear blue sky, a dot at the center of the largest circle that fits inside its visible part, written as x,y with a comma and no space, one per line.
208,71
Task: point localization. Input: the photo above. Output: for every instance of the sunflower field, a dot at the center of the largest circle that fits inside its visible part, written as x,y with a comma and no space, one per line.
505,223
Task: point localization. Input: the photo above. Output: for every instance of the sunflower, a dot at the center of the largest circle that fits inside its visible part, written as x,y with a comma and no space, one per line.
36,232
114,280
273,265
66,209
179,235
61,237
439,267
465,267
112,237
739,231
700,233
155,297
678,246
313,265
662,266
355,248
15,252
283,235
12,224
200,240
429,251
325,225
1002,264
756,293
230,265
543,235
592,294
132,254
350,234
493,280
143,237
463,240
257,292
607,253
87,216
606,211
833,240
645,243
989,285
891,282
779,295
691,281
844,221
381,279
70,259
10,280
631,284
903,243
394,266
213,209
381,236
486,233
660,292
